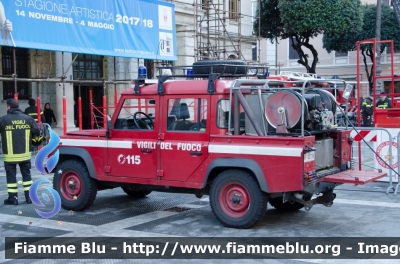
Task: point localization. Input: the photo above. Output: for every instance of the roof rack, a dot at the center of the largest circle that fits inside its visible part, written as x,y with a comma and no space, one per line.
300,75
211,72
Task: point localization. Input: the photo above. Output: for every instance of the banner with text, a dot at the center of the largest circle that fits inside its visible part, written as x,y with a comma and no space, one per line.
122,28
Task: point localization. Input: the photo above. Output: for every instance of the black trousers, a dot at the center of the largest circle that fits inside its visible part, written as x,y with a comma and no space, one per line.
11,174
367,121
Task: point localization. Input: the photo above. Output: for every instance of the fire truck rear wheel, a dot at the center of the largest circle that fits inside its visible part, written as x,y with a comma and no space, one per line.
72,181
288,206
204,67
237,200
136,194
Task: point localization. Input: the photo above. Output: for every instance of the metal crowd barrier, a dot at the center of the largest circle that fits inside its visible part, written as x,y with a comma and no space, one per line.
44,133
398,167
391,187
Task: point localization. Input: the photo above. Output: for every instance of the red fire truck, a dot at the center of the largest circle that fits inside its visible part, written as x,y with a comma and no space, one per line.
223,131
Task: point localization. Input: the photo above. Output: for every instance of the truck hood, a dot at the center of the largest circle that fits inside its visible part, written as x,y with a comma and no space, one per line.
88,133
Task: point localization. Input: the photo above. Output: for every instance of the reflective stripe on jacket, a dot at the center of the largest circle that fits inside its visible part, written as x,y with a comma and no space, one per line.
366,107
32,112
16,129
384,104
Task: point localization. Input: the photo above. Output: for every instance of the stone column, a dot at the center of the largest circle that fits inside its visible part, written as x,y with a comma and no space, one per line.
120,69
69,93
185,45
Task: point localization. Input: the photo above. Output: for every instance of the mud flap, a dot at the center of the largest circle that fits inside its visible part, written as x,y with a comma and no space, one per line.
354,177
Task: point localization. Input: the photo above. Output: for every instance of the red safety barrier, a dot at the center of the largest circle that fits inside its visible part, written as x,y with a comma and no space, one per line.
91,109
367,135
104,109
39,116
80,112
65,114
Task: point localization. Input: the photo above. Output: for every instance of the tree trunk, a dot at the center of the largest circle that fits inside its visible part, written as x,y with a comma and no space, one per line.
303,58
370,54
315,56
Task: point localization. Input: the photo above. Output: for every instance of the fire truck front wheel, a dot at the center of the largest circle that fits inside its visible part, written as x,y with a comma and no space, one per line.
72,181
136,194
237,200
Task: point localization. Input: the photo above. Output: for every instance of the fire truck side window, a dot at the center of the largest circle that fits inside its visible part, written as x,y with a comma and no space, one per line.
187,114
136,114
223,113
223,107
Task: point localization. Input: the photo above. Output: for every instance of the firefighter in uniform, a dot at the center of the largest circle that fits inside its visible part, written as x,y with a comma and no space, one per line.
32,110
367,111
383,102
16,130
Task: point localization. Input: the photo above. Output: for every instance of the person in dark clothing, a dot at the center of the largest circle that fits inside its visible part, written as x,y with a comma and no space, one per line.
367,111
383,102
17,130
49,115
32,110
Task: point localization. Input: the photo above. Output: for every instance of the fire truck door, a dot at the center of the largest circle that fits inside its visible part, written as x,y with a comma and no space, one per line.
185,136
132,145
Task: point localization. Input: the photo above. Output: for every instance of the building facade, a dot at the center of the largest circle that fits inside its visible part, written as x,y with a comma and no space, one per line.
205,29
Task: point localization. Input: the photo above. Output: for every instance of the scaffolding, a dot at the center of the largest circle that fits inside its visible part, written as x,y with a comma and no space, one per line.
62,80
217,29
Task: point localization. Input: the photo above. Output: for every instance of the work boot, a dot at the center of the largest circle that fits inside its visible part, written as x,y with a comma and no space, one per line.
27,198
12,200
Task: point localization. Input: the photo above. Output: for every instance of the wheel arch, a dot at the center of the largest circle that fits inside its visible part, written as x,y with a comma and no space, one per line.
78,153
222,164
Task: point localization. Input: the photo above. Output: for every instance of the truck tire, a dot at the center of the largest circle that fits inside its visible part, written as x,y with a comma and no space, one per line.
136,194
204,67
72,181
288,206
236,199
